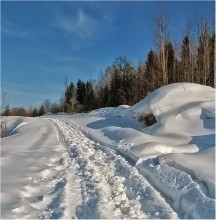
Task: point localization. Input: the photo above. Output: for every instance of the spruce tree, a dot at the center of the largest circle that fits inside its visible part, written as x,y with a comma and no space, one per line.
89,96
153,77
185,60
41,110
80,91
170,63
70,98
35,112
105,97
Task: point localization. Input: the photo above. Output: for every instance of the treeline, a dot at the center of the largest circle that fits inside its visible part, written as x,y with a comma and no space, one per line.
124,83
46,106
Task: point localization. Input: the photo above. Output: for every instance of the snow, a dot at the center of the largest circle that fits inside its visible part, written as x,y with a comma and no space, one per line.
113,165
48,114
25,156
108,111
186,194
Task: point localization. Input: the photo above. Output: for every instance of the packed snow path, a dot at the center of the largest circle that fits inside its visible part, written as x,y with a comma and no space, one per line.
108,186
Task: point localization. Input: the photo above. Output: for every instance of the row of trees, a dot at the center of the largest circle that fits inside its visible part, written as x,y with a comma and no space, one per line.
193,61
45,106
124,83
80,97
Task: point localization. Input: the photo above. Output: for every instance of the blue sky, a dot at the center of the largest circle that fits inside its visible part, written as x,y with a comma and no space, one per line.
42,42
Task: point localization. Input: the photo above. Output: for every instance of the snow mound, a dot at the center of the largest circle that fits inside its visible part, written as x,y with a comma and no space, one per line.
15,123
63,113
170,97
19,125
48,114
188,105
108,111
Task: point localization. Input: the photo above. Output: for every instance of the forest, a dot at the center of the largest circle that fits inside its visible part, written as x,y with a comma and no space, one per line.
122,83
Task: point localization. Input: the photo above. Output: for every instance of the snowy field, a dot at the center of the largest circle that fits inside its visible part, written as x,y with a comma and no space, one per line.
106,164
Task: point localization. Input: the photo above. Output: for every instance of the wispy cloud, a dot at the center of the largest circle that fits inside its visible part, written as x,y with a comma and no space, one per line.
82,25
11,29
69,59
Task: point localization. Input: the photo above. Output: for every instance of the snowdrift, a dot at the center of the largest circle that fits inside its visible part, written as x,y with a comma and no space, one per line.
191,106
15,124
108,111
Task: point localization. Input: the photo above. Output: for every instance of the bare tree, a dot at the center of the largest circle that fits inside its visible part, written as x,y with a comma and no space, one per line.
161,39
4,121
3,99
47,105
204,52
64,94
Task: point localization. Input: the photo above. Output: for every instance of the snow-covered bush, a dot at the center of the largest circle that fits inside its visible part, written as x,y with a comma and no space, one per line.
147,118
4,123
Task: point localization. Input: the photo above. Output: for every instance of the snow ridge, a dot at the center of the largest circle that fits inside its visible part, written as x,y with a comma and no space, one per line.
187,196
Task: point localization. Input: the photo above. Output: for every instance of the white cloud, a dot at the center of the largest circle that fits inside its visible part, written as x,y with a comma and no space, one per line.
81,25
11,29
70,59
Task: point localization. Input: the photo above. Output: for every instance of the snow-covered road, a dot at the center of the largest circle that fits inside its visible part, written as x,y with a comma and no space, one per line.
78,177
71,176
109,187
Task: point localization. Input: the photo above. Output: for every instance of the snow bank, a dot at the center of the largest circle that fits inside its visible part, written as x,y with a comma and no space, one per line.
48,114
185,115
29,156
108,111
170,97
187,195
179,108
15,123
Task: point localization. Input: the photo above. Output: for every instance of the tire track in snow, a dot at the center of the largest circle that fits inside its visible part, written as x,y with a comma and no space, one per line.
202,184
185,194
111,187
71,191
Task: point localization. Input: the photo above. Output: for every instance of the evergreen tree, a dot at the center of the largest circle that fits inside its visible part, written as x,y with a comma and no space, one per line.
121,85
35,112
116,93
70,98
127,81
185,60
105,97
153,78
80,91
170,63
89,96
139,86
41,110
